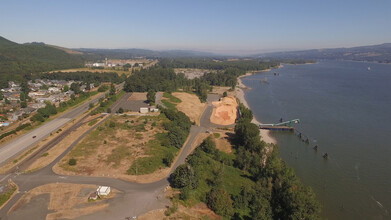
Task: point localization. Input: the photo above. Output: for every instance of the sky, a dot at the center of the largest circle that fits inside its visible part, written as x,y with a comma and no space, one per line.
222,26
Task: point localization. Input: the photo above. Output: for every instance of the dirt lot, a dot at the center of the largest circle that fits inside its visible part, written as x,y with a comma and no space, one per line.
190,105
224,111
59,201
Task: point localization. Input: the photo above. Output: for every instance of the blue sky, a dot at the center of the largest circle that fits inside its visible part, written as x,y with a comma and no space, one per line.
221,26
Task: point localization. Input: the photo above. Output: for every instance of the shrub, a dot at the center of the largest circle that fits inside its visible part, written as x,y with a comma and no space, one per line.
168,159
72,162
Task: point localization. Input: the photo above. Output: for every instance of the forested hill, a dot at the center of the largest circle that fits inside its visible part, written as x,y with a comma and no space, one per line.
17,60
375,53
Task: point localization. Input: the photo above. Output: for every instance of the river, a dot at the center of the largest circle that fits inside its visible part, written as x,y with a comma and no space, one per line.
345,109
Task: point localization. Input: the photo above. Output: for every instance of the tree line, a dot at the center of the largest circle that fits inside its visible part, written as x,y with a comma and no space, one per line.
214,64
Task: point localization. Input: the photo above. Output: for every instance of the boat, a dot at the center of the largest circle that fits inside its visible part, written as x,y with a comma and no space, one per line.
264,80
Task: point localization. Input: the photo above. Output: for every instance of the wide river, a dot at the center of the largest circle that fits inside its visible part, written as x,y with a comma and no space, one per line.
345,109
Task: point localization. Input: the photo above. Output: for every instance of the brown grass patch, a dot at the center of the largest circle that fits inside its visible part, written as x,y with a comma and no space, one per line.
190,105
222,142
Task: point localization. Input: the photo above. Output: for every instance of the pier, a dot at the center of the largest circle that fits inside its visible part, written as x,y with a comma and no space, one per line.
282,126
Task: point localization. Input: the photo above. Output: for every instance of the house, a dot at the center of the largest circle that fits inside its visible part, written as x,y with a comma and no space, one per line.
98,64
54,90
103,190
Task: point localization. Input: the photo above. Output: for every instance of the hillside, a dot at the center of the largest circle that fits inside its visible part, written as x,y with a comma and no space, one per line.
375,53
19,59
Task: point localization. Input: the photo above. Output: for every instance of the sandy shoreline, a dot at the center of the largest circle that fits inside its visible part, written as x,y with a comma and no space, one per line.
239,93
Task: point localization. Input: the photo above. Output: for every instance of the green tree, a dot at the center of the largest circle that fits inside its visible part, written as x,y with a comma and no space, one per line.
151,97
24,87
65,88
220,202
23,104
184,176
22,96
75,87
112,89
168,159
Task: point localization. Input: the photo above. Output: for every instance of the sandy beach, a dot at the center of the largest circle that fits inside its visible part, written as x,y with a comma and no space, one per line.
239,93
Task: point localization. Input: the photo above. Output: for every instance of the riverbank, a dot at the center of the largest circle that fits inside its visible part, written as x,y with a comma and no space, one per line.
239,93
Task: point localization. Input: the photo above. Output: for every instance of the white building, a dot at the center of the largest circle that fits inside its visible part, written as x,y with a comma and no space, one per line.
103,190
98,64
144,110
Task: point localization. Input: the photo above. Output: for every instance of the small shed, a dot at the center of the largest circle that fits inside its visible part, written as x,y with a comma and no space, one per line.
144,110
103,190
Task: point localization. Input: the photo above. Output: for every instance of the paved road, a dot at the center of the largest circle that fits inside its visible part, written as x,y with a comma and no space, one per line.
134,198
20,144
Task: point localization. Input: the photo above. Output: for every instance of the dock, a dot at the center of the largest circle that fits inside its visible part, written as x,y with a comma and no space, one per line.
282,126
276,128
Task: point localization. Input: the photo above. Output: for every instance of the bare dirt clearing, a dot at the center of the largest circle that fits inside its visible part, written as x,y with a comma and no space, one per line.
66,201
224,111
190,105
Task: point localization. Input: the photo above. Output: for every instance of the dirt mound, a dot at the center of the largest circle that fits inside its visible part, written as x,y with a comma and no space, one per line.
224,111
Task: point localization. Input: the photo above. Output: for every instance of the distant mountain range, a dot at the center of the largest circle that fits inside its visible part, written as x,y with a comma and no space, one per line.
375,53
96,54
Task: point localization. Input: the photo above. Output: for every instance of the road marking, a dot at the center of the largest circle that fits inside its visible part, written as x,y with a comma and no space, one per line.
5,177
